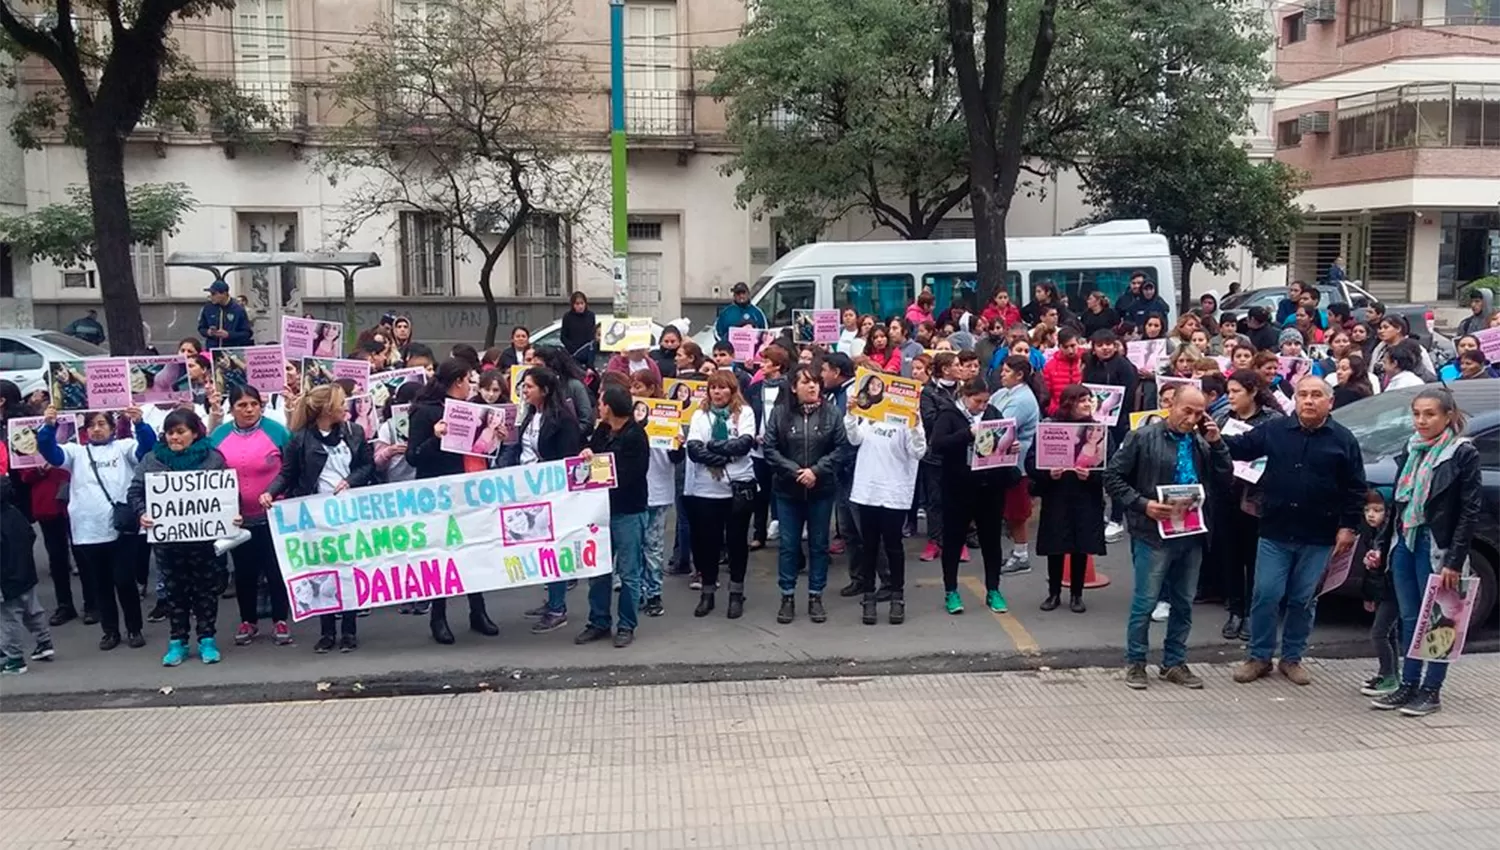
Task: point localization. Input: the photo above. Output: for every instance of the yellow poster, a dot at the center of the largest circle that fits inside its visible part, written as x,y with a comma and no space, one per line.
1146,417
689,394
885,398
625,334
517,372
662,419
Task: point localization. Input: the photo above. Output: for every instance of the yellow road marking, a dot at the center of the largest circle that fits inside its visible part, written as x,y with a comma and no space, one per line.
1017,633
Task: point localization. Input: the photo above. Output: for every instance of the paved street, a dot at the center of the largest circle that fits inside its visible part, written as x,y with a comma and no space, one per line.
1060,759
397,655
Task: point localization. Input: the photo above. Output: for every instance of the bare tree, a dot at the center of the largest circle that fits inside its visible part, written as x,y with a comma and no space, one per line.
464,116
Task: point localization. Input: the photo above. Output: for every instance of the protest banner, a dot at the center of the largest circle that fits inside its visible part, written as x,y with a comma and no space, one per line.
304,338
1489,343
1166,385
160,380
192,505
20,436
885,398
995,445
689,394
260,366
626,334
421,540
1293,369
1145,417
1071,445
476,429
92,383
1186,502
1109,400
815,326
1443,620
1145,353
317,371
383,385
1246,470
662,419
1337,571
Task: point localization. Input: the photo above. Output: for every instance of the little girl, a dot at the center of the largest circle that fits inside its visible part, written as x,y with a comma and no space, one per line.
1380,598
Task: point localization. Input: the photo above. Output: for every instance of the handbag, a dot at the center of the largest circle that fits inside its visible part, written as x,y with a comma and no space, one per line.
742,496
122,517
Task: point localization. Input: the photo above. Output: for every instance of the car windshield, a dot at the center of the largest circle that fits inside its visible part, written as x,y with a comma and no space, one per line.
70,344
1382,423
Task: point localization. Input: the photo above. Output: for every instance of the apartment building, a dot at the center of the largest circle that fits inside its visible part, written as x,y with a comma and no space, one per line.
1392,107
689,243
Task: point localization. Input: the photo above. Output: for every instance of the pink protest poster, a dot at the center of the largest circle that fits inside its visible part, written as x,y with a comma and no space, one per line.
474,429
1489,343
20,436
302,338
265,368
317,371
1443,620
746,343
815,326
1186,502
1071,445
93,383
360,411
1293,369
1144,353
159,380
1109,400
995,445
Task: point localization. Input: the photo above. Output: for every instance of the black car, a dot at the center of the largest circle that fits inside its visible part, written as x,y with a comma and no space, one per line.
1419,317
1382,423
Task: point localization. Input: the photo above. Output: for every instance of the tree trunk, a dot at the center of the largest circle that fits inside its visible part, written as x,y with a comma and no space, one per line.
1184,291
105,158
351,320
989,236
491,309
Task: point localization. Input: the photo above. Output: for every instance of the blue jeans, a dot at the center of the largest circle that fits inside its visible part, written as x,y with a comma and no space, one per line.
655,546
1167,571
627,533
557,597
794,515
1285,572
1409,573
682,546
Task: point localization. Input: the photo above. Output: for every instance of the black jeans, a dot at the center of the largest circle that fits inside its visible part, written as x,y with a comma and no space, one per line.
1239,559
713,524
108,569
982,508
1055,564
765,506
931,482
439,609
60,564
330,625
193,580
254,560
851,525
882,530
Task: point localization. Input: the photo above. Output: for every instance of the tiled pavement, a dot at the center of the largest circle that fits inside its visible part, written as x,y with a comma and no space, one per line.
1060,759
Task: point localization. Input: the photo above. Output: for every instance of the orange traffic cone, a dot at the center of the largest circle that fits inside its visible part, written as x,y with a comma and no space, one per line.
1091,580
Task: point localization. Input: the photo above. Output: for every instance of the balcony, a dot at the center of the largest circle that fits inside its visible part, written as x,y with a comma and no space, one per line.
286,100
1371,17
662,115
1426,115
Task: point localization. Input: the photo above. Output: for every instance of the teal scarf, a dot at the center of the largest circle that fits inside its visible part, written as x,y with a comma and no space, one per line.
191,457
718,418
1415,482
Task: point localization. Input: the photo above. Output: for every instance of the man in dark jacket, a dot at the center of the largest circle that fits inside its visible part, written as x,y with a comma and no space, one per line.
1263,335
1147,304
1313,497
620,434
222,322
1130,296
1170,452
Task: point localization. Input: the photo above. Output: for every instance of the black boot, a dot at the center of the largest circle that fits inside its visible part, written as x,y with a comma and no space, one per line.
898,608
1051,602
705,604
1244,633
736,600
440,631
480,621
788,610
815,609
868,615
1231,627
1075,604
854,588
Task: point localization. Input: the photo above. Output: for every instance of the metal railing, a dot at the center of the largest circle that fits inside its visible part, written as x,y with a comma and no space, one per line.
658,112
286,100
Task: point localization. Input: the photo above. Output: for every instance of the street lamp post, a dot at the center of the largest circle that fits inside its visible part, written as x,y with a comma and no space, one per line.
618,214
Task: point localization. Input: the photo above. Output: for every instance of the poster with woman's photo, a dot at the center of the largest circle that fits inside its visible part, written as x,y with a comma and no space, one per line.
995,445
383,386
688,394
885,398
1144,353
315,593
625,334
303,338
1293,369
1168,384
317,371
1109,401
590,473
1245,470
662,419
359,410
401,421
815,327
1071,445
476,429
160,380
1186,502
93,383
260,366
1142,418
1443,620
20,436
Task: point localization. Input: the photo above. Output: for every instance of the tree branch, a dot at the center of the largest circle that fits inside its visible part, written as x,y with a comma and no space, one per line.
1025,94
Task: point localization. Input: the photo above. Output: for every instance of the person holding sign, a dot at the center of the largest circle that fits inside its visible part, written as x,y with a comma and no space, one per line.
190,571
719,488
620,435
326,454
104,544
661,494
1437,501
1071,527
887,460
969,496
1251,404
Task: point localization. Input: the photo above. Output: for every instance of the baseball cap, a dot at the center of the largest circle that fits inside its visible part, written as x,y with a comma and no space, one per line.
740,287
217,287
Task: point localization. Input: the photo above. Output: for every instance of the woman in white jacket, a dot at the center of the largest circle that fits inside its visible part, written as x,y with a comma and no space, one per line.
885,474
719,488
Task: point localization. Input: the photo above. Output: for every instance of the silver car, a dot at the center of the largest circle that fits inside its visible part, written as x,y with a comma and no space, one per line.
25,353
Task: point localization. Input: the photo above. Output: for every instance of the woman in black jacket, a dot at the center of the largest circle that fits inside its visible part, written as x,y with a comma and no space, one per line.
326,454
424,451
1436,505
1071,527
1251,404
578,329
969,496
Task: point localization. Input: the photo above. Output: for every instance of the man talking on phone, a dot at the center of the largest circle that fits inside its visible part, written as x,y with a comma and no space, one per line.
1313,498
1172,451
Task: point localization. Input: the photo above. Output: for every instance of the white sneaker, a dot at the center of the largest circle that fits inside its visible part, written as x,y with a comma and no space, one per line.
1163,610
224,544
1114,532
773,530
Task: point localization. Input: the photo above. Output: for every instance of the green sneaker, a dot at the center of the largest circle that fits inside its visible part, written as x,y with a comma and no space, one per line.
177,651
1379,686
995,601
953,603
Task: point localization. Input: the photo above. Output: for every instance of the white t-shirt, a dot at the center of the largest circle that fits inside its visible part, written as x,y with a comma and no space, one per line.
530,438
698,480
885,470
661,480
91,510
1405,379
337,467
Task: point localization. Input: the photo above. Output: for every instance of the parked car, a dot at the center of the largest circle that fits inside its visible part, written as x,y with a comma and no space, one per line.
1418,316
25,352
1382,423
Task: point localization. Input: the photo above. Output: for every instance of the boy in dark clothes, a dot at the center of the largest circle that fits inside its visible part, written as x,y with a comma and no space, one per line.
1380,598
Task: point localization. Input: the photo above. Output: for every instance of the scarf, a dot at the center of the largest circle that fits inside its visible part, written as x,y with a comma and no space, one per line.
191,457
1416,481
718,419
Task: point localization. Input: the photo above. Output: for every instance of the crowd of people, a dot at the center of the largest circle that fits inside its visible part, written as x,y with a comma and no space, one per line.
774,452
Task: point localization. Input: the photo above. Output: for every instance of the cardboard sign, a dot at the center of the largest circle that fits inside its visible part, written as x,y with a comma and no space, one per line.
746,342
193,505
91,383
885,398
1142,418
1109,400
304,338
689,394
317,371
1071,445
815,326
1145,353
626,334
995,445
593,473
1245,470
1186,501
1489,343
478,430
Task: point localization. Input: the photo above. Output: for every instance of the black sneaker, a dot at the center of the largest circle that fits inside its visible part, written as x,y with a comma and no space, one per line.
815,609
324,645
654,608
1424,703
1395,699
1136,678
91,618
109,641
135,640
62,615
869,615
590,634
155,615
348,643
43,651
788,610
624,638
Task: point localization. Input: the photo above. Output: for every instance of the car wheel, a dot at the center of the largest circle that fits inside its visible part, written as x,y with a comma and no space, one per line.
1483,566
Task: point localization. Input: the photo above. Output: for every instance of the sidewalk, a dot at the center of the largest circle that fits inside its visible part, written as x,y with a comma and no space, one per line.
397,655
1061,759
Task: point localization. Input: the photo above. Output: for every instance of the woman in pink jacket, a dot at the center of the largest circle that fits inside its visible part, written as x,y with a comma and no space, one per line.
920,310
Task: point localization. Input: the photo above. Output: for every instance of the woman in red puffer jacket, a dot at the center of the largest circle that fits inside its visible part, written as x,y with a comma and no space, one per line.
1063,368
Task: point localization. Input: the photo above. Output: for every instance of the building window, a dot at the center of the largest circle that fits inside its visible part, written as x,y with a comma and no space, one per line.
653,104
1288,134
1464,13
78,279
1476,115
1294,28
262,54
544,257
1405,117
426,255
649,231
149,263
